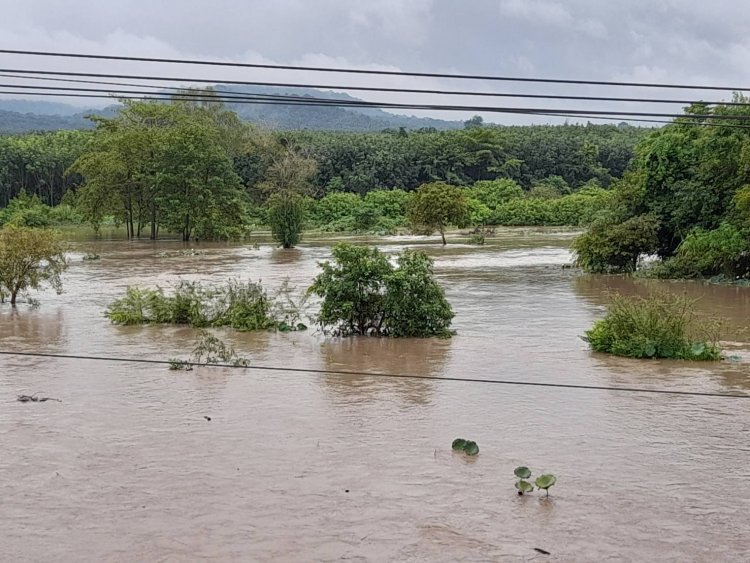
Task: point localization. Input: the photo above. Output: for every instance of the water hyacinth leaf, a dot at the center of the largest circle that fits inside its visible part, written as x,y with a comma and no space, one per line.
301,326
697,349
545,481
459,444
524,486
522,472
650,350
471,448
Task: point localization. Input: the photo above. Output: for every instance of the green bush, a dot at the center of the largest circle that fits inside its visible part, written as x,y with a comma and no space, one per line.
722,251
336,209
479,213
611,247
494,193
286,217
363,293
390,204
523,212
415,304
658,326
242,306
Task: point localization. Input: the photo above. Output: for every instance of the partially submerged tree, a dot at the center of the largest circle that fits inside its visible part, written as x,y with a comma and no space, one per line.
288,179
285,216
29,258
436,206
612,247
363,293
163,165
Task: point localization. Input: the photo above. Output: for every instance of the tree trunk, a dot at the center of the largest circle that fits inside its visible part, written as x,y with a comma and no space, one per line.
13,296
442,235
153,224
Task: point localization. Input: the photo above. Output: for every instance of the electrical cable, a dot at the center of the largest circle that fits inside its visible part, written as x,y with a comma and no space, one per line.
381,375
368,71
29,73
309,100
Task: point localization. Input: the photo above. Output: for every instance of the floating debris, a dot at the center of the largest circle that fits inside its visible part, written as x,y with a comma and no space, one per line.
35,399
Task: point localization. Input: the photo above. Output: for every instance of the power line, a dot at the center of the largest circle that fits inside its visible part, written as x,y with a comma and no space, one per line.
27,75
383,375
305,100
370,71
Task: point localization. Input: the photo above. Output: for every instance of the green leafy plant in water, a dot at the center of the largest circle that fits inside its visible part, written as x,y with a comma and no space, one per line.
240,305
657,326
545,481
522,485
469,447
208,350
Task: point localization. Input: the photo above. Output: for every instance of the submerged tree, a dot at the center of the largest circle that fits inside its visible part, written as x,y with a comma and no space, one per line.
436,206
285,216
363,293
162,165
29,258
288,179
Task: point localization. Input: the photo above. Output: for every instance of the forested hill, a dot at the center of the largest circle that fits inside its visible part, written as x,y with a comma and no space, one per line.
19,116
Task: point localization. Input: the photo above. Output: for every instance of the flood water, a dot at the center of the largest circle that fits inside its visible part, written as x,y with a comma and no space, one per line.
306,467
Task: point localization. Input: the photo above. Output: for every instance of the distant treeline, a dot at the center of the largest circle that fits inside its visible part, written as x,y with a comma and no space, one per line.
567,157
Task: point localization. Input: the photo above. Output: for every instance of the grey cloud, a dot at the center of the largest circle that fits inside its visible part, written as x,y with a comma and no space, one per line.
686,41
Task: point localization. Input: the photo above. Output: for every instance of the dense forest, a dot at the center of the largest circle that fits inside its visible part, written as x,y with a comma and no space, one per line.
681,192
685,199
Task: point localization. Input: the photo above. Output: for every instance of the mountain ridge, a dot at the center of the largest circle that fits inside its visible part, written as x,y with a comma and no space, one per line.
22,116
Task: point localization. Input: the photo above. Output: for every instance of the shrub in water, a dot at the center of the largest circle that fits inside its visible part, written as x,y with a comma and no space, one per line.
239,305
363,293
658,326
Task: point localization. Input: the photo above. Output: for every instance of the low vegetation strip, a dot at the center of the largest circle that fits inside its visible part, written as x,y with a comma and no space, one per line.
657,326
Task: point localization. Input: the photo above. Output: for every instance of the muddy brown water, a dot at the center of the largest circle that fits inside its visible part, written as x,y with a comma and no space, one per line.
302,467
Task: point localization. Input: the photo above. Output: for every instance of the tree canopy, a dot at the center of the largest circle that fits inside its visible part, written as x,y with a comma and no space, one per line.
29,258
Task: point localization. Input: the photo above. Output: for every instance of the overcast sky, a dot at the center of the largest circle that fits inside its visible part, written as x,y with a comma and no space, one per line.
685,41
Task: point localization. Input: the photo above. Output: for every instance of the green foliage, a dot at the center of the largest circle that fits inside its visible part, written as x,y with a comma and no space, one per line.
337,211
241,306
611,247
579,208
524,487
29,211
722,251
545,482
494,193
164,166
471,448
360,162
286,217
693,181
415,304
363,293
209,350
657,326
29,259
522,472
479,213
468,447
436,206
